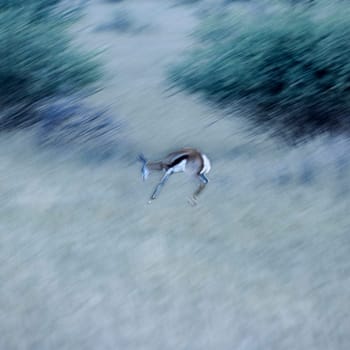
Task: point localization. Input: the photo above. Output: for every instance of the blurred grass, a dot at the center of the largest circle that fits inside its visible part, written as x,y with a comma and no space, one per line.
261,262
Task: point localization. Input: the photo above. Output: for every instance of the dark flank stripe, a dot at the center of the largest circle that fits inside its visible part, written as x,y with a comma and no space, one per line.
178,160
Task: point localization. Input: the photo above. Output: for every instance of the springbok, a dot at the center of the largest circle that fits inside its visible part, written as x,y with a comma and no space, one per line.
188,160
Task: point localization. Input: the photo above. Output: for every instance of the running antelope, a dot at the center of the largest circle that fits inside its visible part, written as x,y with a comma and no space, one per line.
187,160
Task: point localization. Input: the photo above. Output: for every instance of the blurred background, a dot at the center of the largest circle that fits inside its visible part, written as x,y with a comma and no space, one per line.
262,87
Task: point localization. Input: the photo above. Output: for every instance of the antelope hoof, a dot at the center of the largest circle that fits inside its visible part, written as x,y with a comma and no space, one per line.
152,199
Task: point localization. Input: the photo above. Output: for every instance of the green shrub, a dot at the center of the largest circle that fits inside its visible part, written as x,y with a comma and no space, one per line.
37,61
291,64
39,10
38,4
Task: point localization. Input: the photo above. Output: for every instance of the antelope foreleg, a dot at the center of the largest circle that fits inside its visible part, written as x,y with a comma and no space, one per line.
160,185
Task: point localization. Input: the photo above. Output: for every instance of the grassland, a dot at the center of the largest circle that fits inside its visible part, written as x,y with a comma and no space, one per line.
261,263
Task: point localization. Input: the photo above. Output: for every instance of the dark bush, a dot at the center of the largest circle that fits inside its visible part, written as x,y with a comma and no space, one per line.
124,22
291,64
37,61
186,2
68,125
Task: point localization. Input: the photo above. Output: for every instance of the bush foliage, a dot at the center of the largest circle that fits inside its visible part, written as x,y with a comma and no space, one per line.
123,22
37,61
291,64
39,10
69,125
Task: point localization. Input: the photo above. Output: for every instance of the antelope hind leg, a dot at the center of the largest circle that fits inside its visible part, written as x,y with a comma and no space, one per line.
203,182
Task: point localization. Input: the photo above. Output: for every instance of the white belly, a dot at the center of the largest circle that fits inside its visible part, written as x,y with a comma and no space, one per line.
179,168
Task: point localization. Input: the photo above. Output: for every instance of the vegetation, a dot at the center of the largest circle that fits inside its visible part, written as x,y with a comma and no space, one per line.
69,125
114,1
37,60
122,21
186,2
40,10
38,5
290,64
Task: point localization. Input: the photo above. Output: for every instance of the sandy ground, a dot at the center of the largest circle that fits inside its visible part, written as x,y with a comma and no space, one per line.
261,263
